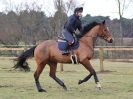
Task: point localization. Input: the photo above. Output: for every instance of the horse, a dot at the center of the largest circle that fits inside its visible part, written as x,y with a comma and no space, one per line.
48,53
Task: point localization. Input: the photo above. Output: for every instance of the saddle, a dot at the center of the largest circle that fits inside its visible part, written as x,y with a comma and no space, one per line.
63,45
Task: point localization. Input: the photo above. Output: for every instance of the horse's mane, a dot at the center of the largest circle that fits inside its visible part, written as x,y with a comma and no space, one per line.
87,28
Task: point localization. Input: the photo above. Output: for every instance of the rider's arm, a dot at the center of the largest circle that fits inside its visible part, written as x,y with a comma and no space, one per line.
70,24
80,28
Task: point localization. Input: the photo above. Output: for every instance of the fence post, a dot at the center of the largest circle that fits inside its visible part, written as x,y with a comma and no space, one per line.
61,67
101,57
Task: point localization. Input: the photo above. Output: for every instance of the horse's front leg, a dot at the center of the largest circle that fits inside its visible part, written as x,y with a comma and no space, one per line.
88,66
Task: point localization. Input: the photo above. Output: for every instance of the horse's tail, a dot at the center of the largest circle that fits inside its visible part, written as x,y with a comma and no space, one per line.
21,60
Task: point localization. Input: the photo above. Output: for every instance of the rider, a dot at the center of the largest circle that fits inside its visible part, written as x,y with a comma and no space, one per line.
72,24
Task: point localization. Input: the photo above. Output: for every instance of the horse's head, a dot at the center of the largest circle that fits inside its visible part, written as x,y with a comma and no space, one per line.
105,33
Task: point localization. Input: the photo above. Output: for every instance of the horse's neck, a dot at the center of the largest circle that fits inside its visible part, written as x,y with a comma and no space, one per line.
90,38
89,41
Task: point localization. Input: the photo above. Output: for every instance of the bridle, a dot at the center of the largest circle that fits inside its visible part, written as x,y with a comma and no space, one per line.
103,36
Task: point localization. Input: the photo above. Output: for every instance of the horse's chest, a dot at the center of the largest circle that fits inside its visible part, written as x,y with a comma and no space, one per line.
87,53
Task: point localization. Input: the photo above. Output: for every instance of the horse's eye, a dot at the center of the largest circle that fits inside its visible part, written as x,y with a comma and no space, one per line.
105,30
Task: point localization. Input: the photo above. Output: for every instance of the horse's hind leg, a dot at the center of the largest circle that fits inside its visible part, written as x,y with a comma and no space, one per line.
52,74
37,73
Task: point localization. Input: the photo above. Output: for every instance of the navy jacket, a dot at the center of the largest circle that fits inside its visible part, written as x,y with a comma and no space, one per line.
73,23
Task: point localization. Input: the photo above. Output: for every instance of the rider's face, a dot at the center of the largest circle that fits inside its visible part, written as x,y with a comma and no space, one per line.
79,14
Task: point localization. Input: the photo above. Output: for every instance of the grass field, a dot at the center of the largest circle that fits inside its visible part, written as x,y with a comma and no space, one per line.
117,84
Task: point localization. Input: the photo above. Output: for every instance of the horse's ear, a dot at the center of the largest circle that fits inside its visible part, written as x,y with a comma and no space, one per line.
103,22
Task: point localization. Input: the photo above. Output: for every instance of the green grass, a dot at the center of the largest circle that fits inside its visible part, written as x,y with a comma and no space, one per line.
117,84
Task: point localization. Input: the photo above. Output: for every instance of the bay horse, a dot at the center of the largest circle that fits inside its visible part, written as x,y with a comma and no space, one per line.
47,52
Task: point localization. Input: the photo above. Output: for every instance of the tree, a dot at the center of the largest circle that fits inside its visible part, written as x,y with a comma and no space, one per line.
122,6
60,15
28,26
10,29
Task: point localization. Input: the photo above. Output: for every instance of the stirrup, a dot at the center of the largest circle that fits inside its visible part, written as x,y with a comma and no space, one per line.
74,59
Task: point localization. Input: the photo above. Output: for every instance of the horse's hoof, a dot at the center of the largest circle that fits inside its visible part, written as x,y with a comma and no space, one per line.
65,88
42,90
99,86
80,82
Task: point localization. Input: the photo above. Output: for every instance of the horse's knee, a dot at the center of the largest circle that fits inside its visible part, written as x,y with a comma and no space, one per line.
52,75
35,76
93,72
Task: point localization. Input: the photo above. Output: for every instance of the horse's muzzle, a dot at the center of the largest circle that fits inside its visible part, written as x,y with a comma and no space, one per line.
110,41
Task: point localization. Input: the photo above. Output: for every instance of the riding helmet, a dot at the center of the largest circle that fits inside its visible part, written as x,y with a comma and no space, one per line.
78,9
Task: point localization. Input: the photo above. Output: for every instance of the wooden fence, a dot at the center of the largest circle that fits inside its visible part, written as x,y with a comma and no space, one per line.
100,49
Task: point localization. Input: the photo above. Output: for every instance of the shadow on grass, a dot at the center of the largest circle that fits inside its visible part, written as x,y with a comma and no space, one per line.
105,72
6,86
